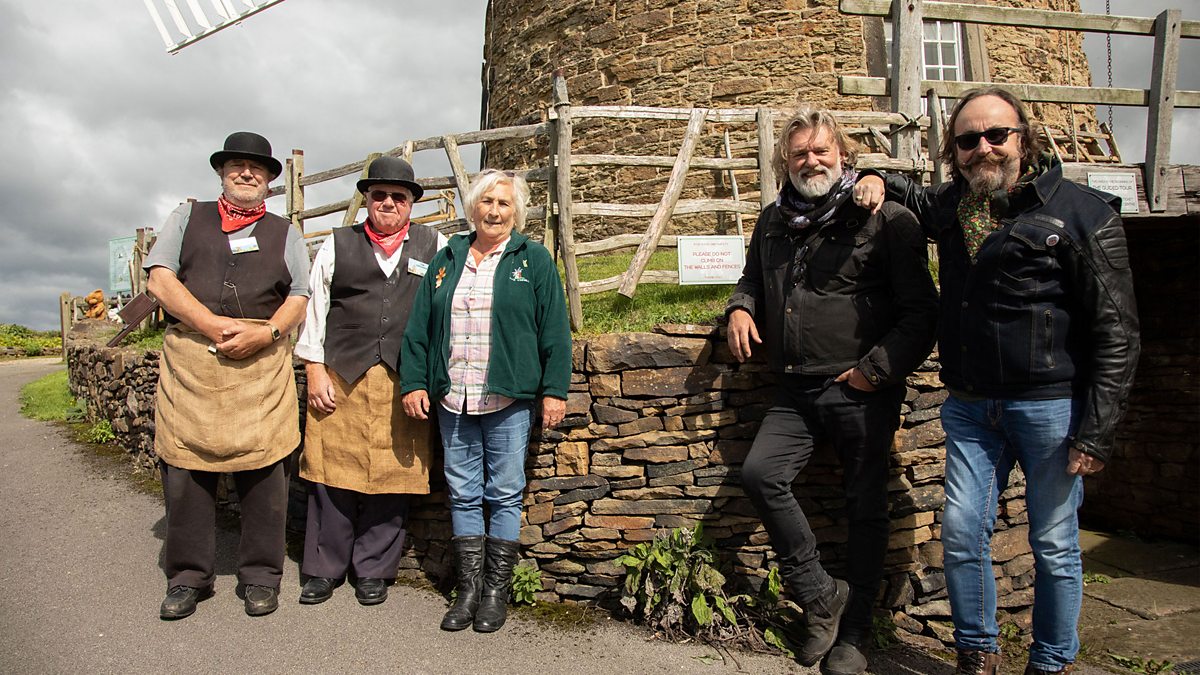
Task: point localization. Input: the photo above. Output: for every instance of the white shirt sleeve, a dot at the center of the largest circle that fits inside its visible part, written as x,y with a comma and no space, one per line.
311,344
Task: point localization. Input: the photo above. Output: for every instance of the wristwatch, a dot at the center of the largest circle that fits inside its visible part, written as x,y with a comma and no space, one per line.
274,332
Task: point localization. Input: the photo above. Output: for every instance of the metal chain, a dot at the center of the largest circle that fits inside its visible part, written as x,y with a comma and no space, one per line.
1108,47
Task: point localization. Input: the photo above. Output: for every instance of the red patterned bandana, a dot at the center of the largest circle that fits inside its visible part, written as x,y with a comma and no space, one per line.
234,217
388,242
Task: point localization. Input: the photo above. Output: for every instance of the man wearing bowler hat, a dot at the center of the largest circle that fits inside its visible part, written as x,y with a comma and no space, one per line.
363,455
233,280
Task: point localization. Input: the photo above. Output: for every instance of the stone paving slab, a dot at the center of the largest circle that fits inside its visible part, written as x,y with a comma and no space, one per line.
1173,638
1136,557
1147,598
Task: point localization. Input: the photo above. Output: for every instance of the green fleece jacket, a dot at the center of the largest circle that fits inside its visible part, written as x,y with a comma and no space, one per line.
531,336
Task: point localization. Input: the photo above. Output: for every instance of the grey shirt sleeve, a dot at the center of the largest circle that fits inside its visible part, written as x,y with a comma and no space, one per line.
295,256
169,241
169,244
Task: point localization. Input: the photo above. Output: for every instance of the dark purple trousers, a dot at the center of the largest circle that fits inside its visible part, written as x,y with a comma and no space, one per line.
349,531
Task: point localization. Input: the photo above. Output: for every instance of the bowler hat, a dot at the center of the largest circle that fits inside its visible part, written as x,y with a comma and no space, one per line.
391,170
246,145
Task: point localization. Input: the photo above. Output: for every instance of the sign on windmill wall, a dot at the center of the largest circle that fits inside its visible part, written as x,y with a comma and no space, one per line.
198,23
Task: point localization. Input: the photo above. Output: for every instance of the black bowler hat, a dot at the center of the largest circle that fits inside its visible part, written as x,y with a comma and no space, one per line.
391,170
247,145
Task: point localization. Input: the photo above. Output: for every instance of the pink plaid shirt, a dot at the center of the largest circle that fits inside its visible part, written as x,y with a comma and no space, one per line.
471,338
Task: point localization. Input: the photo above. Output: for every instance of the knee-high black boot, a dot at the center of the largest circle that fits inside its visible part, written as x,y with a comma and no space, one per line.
468,559
500,558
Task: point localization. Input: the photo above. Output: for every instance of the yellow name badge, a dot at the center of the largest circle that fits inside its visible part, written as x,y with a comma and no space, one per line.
243,245
417,267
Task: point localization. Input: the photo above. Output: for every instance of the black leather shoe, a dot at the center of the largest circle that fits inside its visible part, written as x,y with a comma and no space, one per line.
371,591
317,590
261,600
181,601
846,658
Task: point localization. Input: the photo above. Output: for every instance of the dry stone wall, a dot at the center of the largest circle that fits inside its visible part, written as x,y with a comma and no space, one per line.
657,428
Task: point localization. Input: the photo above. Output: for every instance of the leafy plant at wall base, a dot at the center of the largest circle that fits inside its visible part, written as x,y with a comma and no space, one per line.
673,585
100,432
526,583
883,631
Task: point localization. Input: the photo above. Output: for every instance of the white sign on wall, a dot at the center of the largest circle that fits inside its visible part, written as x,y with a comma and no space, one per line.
1123,185
711,259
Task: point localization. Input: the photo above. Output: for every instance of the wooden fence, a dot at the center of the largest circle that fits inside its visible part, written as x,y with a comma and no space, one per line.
905,85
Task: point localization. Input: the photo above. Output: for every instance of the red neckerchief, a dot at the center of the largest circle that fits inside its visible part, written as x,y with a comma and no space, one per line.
388,242
234,217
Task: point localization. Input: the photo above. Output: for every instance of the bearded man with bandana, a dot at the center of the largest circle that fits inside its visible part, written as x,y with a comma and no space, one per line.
1038,343
843,304
362,455
233,280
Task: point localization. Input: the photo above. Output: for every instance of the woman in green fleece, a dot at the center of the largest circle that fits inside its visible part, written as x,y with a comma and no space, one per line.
487,339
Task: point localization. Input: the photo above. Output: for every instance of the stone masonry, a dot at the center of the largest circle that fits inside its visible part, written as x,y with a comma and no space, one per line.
658,425
712,54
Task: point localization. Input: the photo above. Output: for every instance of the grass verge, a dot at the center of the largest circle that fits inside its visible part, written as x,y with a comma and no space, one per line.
49,399
610,312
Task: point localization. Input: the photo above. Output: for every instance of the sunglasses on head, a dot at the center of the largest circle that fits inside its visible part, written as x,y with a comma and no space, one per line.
508,174
397,197
994,136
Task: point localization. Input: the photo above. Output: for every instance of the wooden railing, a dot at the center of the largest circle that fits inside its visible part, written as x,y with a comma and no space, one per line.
905,85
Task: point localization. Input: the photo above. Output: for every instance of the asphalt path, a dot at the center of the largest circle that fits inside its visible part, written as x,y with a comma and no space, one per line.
80,585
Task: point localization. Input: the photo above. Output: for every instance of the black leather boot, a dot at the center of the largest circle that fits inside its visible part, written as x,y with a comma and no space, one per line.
822,617
468,560
500,558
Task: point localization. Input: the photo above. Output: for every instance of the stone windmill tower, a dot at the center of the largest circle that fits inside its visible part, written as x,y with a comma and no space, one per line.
731,53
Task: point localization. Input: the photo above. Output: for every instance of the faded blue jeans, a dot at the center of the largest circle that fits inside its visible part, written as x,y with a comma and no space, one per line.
485,462
983,439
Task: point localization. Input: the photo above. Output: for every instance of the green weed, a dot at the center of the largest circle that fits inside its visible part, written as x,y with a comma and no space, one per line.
526,583
49,399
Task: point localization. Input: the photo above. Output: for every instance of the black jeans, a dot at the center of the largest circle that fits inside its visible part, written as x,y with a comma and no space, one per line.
860,425
190,549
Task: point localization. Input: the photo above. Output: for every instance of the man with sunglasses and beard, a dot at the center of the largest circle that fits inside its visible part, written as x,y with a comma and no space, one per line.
233,280
1038,344
843,304
362,455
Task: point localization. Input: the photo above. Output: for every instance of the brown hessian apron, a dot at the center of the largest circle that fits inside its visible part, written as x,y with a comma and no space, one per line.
224,415
367,444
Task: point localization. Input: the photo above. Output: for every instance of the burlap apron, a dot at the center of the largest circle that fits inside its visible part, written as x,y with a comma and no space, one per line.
367,444
219,414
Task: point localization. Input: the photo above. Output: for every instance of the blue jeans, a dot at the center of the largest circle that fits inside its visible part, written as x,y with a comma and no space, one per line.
983,439
485,462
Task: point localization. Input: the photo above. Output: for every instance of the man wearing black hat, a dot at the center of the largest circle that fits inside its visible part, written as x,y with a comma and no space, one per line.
363,455
233,280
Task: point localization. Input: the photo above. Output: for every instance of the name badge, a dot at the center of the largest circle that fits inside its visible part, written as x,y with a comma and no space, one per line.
417,267
243,245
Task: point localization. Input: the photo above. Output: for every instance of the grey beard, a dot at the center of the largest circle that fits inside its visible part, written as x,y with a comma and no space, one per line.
812,189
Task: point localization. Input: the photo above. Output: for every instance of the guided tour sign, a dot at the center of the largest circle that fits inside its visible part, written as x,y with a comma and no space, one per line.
711,259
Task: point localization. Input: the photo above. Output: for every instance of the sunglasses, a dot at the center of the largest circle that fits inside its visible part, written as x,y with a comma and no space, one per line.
994,136
397,197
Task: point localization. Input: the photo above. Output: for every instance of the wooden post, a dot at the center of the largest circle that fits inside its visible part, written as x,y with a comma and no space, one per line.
64,320
562,195
296,193
934,105
1162,107
666,206
767,179
907,40
460,174
356,199
550,224
737,194
407,152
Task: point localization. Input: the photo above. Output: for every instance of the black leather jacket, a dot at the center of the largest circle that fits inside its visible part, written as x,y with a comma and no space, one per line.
1046,309
863,295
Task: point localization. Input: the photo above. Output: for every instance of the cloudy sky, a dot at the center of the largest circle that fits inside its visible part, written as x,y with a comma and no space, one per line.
104,132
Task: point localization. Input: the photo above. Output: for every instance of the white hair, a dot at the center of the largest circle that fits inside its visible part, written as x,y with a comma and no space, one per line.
488,180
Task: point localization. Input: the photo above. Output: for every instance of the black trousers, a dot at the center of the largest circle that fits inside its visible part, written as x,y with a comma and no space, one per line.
352,531
860,426
189,554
